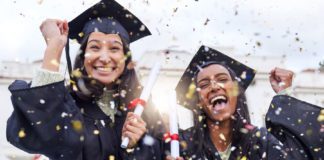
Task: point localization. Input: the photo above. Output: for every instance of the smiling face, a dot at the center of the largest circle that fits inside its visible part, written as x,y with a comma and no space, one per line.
104,58
217,91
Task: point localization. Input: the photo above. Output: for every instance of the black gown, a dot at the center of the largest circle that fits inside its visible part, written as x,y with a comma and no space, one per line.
293,132
49,121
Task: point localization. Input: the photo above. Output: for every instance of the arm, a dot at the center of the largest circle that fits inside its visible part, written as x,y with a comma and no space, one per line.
292,121
42,120
55,33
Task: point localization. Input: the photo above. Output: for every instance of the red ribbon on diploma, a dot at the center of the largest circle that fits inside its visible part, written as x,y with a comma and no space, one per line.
132,104
168,137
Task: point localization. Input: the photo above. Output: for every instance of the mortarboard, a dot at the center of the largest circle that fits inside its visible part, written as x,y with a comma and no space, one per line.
109,17
206,55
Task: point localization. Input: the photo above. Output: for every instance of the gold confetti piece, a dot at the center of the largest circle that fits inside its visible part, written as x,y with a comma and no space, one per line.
200,118
244,158
234,92
222,137
191,91
299,121
317,149
21,133
58,127
81,34
96,132
76,73
258,134
183,144
320,117
111,157
54,62
77,125
309,132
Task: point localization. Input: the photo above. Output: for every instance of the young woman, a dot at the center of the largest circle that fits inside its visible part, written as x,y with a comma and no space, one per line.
213,88
87,120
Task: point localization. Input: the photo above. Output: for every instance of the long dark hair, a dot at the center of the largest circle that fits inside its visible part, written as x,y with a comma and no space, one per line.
240,118
126,87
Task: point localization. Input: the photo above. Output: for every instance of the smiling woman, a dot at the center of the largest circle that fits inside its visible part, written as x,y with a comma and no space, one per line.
223,129
87,119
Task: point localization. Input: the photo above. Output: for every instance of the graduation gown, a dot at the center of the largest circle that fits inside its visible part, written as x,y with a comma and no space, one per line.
293,132
48,120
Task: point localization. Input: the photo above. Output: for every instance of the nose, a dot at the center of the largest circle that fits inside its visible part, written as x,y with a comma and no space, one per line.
105,57
214,84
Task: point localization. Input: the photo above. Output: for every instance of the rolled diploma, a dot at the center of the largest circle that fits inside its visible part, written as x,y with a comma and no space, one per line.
144,96
173,122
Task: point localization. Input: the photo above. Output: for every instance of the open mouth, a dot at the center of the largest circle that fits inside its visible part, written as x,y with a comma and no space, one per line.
105,69
219,102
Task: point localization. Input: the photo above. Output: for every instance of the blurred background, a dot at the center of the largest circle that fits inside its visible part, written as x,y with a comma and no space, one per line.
262,34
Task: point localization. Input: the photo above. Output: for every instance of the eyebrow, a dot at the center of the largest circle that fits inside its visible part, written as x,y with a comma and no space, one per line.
217,75
98,41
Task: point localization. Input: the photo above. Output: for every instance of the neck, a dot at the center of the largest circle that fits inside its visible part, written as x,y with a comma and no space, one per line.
220,133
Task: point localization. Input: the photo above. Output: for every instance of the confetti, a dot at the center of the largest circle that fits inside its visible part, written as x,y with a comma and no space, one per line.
243,75
258,44
21,133
278,110
142,28
200,118
58,127
191,91
64,114
244,158
81,138
96,132
320,117
222,137
77,125
111,157
148,140
206,22
76,73
81,34
42,101
54,62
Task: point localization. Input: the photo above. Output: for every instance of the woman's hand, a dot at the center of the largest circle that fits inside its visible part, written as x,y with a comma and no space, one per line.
171,158
134,128
55,31
280,79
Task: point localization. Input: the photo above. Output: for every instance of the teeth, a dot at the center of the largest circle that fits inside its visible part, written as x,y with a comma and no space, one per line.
106,69
217,98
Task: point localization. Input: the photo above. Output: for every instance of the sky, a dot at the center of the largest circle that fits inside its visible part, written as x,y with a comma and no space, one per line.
291,29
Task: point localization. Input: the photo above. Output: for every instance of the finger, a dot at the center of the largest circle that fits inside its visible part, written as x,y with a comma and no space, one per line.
65,27
135,129
132,136
138,124
139,119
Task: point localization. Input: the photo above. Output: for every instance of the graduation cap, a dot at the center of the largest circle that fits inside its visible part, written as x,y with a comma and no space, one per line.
186,90
109,17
